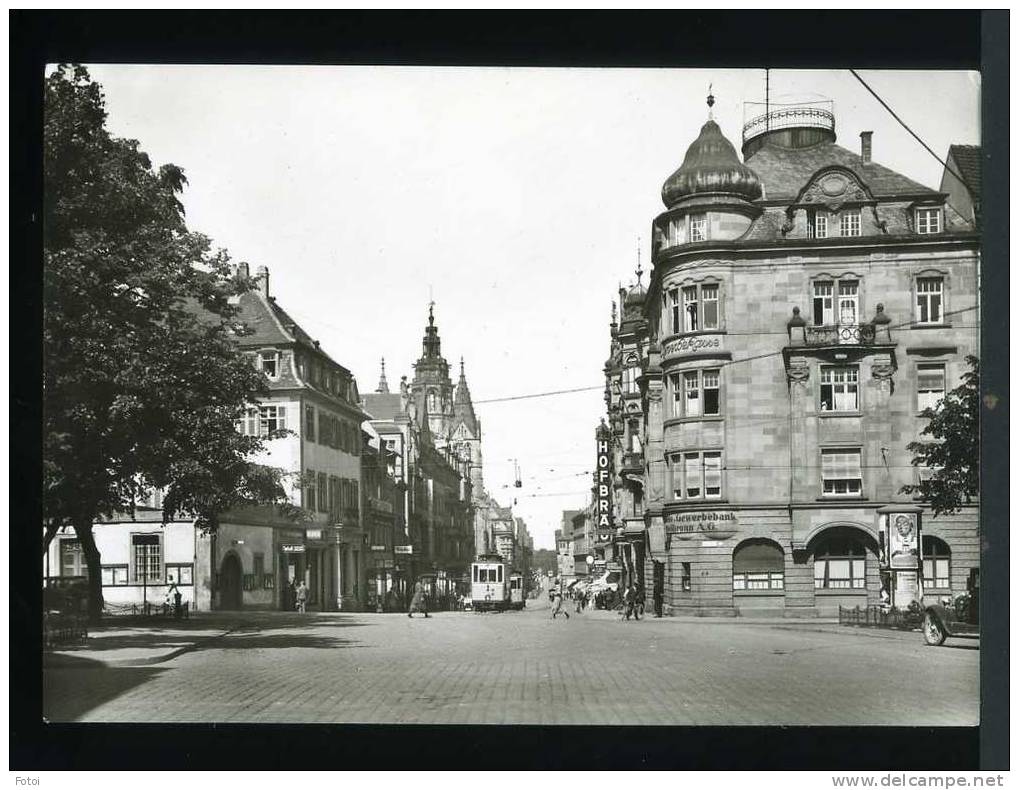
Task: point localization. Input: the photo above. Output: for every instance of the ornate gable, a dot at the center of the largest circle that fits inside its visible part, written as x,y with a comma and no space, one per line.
833,187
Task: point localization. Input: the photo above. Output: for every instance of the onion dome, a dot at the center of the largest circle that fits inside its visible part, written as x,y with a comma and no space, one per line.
711,166
635,296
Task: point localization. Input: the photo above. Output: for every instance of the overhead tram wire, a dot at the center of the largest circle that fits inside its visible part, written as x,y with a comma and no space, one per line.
916,137
725,364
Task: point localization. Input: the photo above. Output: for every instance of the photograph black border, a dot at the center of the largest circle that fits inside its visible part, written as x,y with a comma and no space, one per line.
647,39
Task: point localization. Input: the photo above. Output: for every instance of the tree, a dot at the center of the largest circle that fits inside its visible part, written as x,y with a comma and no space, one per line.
951,447
143,379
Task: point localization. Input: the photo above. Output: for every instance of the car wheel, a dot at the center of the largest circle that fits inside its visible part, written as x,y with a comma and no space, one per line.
933,631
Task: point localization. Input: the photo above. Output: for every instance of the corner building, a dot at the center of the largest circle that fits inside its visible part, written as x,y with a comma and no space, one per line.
805,305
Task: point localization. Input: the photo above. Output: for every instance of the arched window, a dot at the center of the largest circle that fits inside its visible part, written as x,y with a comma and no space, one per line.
433,403
758,564
840,561
937,564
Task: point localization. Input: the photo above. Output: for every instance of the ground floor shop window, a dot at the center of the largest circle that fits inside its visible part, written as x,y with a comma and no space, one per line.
840,562
115,575
758,564
180,573
937,563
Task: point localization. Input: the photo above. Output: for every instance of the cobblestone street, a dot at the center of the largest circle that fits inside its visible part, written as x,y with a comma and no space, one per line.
524,668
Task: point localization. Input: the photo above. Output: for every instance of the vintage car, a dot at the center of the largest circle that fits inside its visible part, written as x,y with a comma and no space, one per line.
960,618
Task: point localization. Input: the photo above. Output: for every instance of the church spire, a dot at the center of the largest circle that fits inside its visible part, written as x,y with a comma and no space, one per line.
383,384
430,345
463,407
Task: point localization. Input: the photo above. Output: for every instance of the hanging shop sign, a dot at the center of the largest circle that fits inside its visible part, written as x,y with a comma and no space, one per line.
378,548
293,548
313,534
696,344
604,499
709,524
403,549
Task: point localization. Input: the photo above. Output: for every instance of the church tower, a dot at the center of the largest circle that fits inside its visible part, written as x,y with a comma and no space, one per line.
431,389
467,431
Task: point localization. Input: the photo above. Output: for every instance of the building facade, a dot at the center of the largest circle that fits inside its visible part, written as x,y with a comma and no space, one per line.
805,305
257,555
423,426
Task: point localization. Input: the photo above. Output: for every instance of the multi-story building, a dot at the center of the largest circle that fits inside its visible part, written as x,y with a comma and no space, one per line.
805,305
525,552
418,425
256,554
382,507
564,548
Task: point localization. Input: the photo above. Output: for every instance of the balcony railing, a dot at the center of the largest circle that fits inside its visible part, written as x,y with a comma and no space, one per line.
807,115
840,335
633,461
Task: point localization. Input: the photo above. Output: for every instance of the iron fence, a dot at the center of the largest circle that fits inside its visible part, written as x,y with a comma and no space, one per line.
880,617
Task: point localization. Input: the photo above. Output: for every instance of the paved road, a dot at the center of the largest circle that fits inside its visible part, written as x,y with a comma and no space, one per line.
524,668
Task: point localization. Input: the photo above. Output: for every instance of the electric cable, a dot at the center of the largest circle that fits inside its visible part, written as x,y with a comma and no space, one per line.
915,135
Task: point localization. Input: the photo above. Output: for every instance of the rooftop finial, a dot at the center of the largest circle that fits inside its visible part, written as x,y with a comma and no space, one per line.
711,102
383,384
461,365
613,312
640,271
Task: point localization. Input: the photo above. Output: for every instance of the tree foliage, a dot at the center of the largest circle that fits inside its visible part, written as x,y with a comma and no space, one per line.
143,377
950,446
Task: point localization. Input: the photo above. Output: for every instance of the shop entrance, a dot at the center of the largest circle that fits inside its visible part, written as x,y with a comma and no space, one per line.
230,583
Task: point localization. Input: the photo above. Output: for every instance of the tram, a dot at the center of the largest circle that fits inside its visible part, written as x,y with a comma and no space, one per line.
494,586
516,591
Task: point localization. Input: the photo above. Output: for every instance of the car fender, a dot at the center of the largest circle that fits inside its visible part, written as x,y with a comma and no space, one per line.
942,615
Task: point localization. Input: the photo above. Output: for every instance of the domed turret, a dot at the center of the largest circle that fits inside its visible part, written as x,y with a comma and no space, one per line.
711,167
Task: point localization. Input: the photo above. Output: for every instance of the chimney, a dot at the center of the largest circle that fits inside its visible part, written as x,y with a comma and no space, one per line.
242,269
262,275
865,146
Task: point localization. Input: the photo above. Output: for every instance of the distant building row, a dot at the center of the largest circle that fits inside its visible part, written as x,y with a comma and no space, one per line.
392,483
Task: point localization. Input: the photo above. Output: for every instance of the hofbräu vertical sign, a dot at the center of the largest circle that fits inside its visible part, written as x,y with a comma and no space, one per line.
604,499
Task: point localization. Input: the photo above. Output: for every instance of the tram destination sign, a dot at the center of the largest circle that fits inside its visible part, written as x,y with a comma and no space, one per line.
710,524
403,549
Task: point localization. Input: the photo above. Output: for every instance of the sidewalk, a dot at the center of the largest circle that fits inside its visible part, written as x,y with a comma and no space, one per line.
814,624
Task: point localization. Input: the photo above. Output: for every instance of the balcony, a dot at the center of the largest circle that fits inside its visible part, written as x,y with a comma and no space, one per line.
808,115
632,462
840,335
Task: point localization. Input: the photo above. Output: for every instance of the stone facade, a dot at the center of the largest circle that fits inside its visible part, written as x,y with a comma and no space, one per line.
803,309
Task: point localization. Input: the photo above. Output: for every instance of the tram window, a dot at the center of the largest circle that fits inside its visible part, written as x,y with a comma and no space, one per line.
475,573
500,574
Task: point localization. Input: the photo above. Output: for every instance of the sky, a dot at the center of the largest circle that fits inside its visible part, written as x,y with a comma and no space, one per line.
516,198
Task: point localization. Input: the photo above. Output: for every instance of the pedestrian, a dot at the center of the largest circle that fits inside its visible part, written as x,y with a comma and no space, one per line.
291,602
302,597
638,601
628,601
659,599
579,598
417,603
557,605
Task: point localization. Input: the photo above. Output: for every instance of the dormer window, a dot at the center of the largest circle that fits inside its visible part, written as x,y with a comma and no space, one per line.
849,222
928,220
817,224
698,227
268,361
